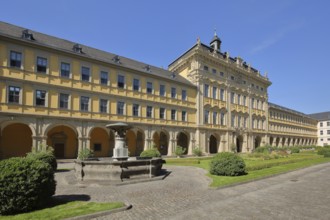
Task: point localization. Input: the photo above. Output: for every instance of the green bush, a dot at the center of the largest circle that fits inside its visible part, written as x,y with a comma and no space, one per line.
325,151
25,184
154,152
295,150
265,149
179,151
45,156
227,164
197,152
85,154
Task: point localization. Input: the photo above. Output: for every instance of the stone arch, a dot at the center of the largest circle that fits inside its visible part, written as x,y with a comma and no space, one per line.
239,143
64,140
15,140
182,139
283,141
51,126
271,140
257,142
160,140
135,141
213,144
101,141
277,141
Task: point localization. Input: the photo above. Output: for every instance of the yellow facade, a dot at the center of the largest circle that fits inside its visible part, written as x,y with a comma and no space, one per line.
166,107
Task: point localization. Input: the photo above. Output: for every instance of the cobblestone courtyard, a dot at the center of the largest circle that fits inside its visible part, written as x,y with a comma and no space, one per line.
184,194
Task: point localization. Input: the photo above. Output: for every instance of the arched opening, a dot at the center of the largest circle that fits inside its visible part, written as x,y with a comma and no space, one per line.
283,142
239,143
271,140
139,143
213,145
100,143
161,142
293,142
257,142
16,141
183,141
289,141
135,142
277,142
64,141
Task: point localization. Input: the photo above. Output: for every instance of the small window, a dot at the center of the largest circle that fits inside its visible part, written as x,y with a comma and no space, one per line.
232,77
252,85
206,90
184,95
149,111
222,74
41,65
121,81
222,94
84,103
162,90
14,94
65,70
173,92
136,110
103,105
321,124
215,116
64,101
321,132
233,120
162,113
104,78
238,99
97,147
328,131
85,74
214,71
136,84
222,118
184,116
328,123
206,116
262,89
214,92
120,108
206,68
257,87
149,88
232,98
173,114
40,98
15,59
244,82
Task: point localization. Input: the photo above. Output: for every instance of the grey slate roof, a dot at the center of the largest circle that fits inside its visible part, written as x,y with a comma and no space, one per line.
287,109
321,116
15,32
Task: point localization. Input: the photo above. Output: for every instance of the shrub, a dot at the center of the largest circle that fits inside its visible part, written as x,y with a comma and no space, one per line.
25,184
179,151
295,150
45,156
154,152
325,151
197,152
85,154
227,164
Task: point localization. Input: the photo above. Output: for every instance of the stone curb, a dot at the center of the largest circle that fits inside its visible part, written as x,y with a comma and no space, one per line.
262,178
99,214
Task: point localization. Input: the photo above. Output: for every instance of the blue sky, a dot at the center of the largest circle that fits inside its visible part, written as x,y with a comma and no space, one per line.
289,39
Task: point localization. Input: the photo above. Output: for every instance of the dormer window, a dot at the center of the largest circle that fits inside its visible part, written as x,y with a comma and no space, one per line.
77,48
173,75
116,59
147,68
26,34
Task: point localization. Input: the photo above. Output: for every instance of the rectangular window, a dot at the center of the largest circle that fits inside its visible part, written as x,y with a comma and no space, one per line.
104,78
328,131
222,118
214,71
184,95
136,110
41,65
149,88
162,113
252,103
103,105
136,84
206,116
328,123
244,122
184,116
238,99
85,74
214,92
233,120
321,124
162,90
40,98
120,108
239,121
84,103
14,94
215,115
244,100
15,59
173,114
232,77
321,132
232,98
222,74
222,94
149,111
206,90
65,70
121,81
173,92
258,103
64,101
206,68
97,147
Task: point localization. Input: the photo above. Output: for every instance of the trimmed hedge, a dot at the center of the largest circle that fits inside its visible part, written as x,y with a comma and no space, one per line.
25,184
154,152
227,164
325,151
45,156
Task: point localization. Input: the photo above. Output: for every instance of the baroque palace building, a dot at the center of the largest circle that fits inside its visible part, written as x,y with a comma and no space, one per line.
63,94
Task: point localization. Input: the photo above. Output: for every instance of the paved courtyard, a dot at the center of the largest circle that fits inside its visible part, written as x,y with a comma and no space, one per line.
184,194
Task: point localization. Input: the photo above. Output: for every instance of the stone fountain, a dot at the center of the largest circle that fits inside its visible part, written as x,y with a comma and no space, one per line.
118,168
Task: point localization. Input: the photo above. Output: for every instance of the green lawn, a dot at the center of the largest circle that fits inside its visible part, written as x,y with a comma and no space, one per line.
66,210
257,168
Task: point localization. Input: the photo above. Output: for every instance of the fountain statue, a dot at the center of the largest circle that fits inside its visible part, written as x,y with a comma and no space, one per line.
120,152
